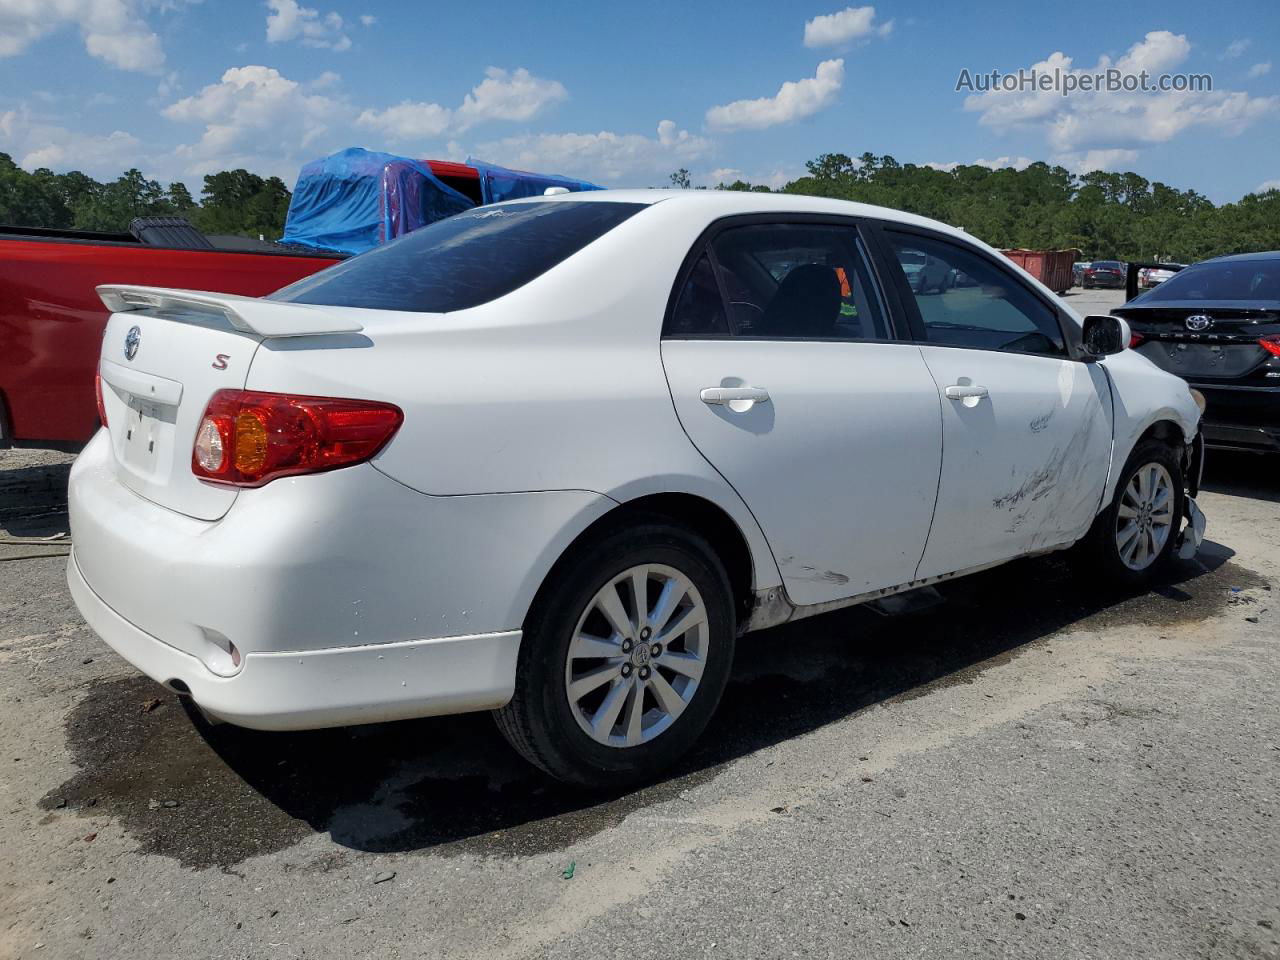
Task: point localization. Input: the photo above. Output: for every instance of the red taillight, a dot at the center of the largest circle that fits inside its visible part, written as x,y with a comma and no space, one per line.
1135,338
1271,344
97,390
248,438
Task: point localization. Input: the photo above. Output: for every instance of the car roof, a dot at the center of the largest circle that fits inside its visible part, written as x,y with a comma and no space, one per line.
721,203
1245,257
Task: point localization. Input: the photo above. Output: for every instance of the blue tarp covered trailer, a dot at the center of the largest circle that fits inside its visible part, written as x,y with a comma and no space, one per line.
357,199
498,183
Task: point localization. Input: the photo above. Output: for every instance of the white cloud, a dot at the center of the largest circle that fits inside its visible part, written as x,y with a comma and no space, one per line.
33,143
367,19
408,121
114,31
1236,48
1092,160
328,80
999,163
846,26
515,95
1268,185
617,158
1097,123
1260,69
254,117
794,100
288,20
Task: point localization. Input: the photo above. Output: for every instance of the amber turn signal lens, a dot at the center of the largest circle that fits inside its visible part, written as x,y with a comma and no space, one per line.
251,443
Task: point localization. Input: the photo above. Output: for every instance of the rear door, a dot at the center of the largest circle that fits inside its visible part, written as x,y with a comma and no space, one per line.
1026,429
159,368
779,356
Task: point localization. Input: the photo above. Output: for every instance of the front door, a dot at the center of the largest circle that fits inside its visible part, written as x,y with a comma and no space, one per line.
1026,429
783,375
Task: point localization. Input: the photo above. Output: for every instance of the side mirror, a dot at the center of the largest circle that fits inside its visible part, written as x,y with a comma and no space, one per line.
1104,336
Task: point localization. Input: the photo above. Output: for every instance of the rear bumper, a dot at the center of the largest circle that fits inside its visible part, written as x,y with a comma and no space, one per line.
304,689
340,597
1252,439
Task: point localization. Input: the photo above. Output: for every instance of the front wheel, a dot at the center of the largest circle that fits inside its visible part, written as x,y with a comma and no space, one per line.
1133,539
623,661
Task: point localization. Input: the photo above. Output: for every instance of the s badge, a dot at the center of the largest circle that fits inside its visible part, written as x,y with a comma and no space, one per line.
220,361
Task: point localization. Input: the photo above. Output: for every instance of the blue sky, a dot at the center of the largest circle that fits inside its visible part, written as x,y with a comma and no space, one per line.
626,94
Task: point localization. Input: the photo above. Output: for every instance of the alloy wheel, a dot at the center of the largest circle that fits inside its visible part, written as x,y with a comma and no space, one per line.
637,655
1145,518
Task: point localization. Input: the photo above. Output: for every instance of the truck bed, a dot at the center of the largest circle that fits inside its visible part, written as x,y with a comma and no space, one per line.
51,319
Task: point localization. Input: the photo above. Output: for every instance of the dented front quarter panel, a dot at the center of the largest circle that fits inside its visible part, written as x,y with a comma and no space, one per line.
1143,395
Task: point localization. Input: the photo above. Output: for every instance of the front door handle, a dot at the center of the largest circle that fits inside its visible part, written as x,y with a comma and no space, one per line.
725,395
958,391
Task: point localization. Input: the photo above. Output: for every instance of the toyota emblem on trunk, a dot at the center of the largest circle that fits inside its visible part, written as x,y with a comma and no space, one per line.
131,341
1199,322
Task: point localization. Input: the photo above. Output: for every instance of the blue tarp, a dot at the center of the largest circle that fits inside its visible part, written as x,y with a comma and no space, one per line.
357,199
498,183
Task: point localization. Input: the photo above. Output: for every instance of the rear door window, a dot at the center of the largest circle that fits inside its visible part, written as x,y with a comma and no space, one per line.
784,281
465,260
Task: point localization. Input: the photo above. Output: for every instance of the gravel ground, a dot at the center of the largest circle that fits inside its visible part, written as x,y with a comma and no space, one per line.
1033,767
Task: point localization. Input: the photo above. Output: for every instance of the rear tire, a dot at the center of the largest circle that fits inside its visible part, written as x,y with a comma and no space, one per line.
1132,541
633,712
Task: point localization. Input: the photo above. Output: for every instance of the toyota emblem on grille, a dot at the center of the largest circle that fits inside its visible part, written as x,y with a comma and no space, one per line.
131,341
1199,322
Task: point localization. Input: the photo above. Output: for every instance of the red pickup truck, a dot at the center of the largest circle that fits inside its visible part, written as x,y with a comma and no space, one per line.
51,319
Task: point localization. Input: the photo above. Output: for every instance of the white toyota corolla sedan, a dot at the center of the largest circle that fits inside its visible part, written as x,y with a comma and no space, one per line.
552,457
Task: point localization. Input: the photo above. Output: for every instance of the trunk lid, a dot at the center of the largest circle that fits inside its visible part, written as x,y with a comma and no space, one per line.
1203,342
164,354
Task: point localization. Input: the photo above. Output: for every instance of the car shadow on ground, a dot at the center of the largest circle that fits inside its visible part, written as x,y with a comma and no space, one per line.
215,796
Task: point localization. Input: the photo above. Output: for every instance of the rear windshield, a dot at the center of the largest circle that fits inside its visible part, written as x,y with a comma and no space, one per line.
1107,264
463,261
1231,280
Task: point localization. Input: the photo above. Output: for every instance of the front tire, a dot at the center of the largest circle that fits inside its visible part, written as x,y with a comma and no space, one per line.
624,659
1132,541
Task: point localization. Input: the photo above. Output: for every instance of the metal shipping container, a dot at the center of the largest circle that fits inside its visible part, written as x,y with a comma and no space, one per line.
1050,267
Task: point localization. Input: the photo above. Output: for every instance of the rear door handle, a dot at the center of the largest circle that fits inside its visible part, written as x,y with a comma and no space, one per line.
964,391
722,395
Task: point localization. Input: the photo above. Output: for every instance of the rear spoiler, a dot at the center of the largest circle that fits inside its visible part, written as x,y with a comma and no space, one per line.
1131,275
266,318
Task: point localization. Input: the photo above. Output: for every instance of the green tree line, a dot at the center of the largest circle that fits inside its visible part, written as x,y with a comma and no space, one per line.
1120,216
231,202
1105,215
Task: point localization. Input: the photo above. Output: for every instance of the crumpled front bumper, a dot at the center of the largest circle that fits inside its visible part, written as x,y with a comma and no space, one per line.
1192,534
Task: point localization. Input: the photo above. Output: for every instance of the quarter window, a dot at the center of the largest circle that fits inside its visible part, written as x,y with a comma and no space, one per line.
967,301
700,310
